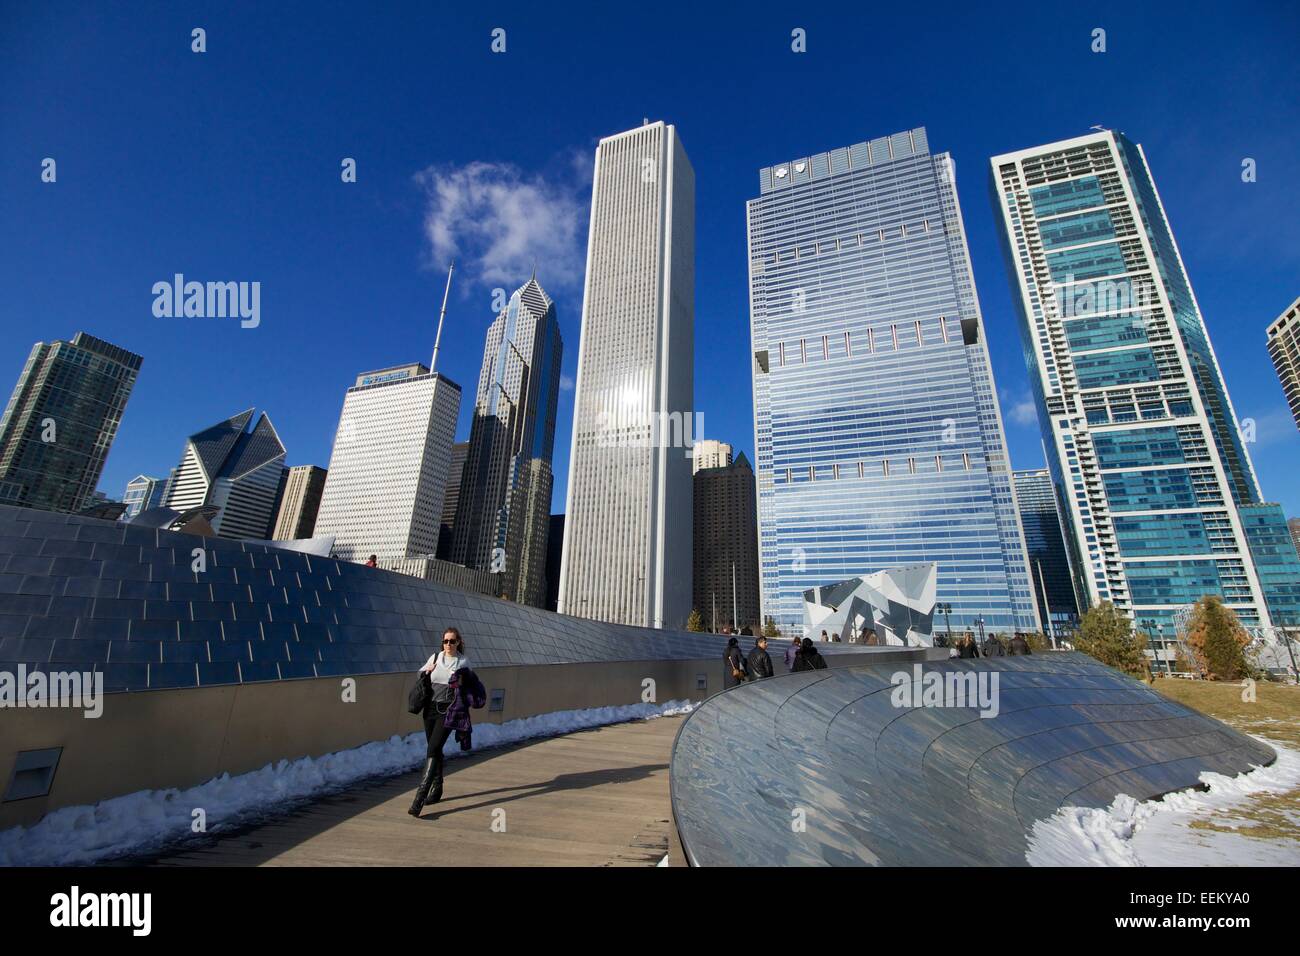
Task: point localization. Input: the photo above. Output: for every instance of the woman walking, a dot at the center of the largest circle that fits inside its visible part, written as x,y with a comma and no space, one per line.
453,690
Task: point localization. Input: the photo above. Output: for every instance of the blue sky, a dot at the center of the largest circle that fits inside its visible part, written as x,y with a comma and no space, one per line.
225,166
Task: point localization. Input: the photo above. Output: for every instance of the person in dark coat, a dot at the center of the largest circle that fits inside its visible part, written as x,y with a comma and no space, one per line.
760,664
966,647
809,658
1019,645
791,654
733,664
993,647
453,690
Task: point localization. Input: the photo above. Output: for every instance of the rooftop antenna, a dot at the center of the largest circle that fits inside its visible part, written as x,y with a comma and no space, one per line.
437,341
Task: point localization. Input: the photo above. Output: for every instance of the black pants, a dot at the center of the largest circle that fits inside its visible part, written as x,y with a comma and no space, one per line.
435,733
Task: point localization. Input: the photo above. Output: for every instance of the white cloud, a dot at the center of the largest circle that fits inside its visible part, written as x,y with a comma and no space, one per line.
497,221
566,383
1024,412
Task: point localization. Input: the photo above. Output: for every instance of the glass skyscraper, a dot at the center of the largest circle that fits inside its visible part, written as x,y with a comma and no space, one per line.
504,503
1161,501
61,420
1049,561
878,435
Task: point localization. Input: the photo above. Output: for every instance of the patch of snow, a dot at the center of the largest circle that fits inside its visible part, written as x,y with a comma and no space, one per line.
149,819
1157,832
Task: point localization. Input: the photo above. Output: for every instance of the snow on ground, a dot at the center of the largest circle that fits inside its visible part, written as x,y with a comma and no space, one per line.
144,821
1158,832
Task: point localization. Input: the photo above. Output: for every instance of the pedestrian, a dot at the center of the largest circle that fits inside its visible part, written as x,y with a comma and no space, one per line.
791,654
453,690
809,658
825,639
372,562
733,664
835,638
966,647
1019,645
993,647
760,664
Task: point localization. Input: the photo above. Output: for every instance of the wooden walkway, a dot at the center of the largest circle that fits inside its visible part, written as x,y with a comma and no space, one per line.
592,798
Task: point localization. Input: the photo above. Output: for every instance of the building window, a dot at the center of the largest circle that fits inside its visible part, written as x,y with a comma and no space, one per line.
871,341
826,347
781,347
803,352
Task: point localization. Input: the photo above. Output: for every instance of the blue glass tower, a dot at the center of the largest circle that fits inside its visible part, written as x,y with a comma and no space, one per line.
878,436
1161,501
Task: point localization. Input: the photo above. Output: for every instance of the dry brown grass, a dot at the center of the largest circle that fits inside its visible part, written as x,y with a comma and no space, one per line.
1273,715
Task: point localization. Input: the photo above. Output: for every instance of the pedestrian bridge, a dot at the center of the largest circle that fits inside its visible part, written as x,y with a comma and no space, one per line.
836,768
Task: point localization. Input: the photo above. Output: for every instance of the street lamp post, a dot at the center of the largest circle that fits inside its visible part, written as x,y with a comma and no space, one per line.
945,609
1150,627
979,623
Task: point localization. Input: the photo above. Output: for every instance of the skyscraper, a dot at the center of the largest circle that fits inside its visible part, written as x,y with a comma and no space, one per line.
1284,350
300,502
60,421
450,500
142,493
388,469
627,532
504,506
1141,438
240,471
710,453
1049,561
878,436
726,546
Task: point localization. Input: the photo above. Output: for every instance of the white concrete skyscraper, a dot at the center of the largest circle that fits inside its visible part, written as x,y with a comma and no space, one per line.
628,525
388,471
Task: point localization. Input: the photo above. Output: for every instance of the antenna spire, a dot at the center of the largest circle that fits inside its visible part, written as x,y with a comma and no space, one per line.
437,341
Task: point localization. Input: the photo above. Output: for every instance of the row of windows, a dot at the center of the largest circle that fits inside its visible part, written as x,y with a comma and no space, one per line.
860,469
912,334
824,246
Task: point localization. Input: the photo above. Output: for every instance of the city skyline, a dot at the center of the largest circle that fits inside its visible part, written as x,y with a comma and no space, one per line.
359,286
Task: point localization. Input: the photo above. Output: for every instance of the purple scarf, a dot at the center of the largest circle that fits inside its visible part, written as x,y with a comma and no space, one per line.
466,692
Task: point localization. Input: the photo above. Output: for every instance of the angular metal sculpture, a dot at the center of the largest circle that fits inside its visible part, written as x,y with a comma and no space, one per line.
895,606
